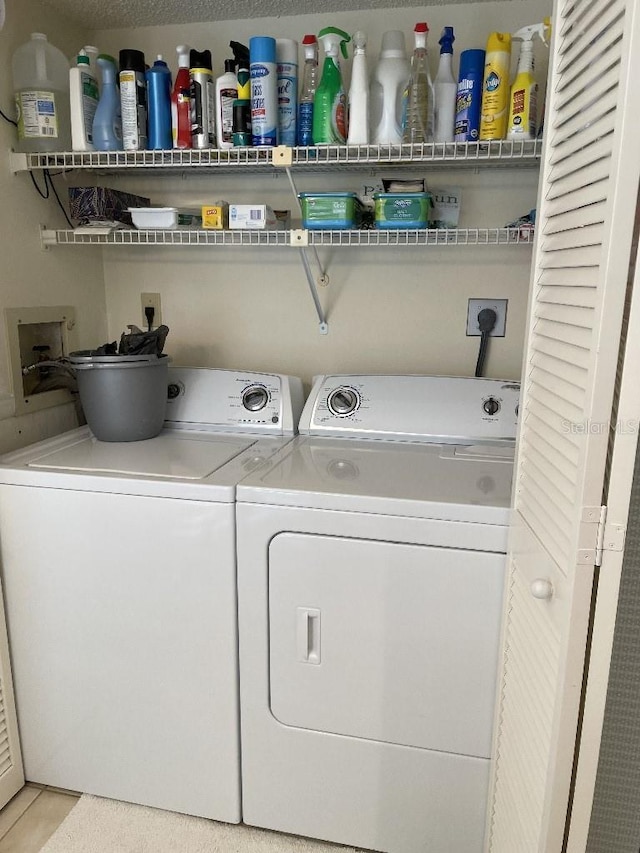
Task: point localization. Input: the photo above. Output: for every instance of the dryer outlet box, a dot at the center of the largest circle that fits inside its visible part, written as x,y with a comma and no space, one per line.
476,306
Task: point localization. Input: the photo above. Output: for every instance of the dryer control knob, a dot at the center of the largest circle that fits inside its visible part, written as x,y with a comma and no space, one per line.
343,401
255,398
542,589
491,406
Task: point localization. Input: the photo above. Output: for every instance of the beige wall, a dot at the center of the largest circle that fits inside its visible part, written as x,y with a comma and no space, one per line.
29,276
388,309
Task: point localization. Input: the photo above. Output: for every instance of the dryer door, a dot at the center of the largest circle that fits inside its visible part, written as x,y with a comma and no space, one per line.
385,641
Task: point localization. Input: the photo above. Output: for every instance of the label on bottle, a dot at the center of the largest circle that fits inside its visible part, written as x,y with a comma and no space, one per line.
225,131
89,89
287,97
37,115
339,118
133,101
305,123
264,108
468,101
495,98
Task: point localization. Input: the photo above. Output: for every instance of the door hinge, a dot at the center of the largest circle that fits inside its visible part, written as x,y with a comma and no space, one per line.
599,535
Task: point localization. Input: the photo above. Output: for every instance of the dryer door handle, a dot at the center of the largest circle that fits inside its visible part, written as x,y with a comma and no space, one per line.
308,634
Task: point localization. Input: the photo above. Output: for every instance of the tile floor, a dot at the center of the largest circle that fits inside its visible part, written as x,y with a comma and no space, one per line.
32,816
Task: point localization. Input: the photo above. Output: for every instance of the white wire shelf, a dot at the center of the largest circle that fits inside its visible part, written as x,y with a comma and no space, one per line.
199,237
468,154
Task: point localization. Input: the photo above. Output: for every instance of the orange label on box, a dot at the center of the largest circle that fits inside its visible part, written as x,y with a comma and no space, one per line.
215,216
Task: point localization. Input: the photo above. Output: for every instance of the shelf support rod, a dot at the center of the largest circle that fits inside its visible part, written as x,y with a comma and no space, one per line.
324,328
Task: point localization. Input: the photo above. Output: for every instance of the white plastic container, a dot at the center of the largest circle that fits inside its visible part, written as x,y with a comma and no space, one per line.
154,217
359,93
388,83
226,94
83,98
41,86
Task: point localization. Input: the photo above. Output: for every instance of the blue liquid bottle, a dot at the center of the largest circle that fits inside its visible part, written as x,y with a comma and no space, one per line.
159,95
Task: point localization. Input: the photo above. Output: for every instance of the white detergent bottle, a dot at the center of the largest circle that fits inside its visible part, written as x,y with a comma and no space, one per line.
83,100
388,84
359,93
446,89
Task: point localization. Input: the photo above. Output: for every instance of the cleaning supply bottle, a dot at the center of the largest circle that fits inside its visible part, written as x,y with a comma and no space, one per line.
287,71
83,99
495,87
308,90
418,98
469,95
226,94
203,121
242,136
359,93
133,100
264,91
159,95
389,89
523,100
330,104
181,101
445,88
41,87
107,122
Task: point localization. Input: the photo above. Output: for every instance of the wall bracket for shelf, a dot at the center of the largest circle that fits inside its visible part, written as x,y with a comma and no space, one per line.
17,162
323,326
48,238
282,155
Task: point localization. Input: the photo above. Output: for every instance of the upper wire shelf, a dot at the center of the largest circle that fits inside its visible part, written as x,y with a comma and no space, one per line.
467,154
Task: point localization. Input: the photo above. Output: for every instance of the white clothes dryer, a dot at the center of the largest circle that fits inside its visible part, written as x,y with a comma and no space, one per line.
119,572
371,564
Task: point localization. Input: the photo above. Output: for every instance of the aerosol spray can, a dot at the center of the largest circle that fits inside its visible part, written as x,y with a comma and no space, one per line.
264,90
287,69
203,128
133,100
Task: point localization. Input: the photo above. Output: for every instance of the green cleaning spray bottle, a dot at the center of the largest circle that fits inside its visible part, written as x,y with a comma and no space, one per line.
330,104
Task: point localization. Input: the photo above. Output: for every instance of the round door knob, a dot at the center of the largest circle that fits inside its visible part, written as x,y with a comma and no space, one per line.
542,589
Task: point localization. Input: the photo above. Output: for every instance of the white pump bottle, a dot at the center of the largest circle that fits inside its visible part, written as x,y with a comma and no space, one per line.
359,93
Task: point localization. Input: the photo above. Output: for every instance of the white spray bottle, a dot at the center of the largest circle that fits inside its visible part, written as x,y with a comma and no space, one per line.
446,90
359,93
523,100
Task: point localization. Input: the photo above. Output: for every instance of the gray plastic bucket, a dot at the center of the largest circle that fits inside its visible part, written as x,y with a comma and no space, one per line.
124,397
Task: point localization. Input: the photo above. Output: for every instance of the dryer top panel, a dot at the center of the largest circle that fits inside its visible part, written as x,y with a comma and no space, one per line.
437,409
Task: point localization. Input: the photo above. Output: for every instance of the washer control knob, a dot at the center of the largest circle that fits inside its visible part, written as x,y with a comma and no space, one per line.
343,401
491,406
255,398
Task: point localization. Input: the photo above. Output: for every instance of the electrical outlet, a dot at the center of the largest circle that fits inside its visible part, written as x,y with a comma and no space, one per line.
497,305
151,300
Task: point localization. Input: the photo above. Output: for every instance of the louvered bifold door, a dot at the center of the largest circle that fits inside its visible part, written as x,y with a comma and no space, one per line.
586,207
11,771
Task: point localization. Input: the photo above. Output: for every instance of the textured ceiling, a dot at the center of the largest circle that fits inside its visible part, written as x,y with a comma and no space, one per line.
116,14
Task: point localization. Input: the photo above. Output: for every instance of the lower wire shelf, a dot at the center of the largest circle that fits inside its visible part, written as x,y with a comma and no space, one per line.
297,238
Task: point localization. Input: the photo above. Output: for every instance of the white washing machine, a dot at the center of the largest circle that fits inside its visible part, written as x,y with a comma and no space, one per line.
119,572
371,563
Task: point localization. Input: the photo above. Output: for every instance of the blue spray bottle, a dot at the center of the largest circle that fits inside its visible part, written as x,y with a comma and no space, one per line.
159,100
107,121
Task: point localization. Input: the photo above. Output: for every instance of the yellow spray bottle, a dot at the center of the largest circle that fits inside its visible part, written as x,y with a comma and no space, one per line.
495,87
523,100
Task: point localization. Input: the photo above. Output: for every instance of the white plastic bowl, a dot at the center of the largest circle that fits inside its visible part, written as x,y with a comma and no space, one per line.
154,217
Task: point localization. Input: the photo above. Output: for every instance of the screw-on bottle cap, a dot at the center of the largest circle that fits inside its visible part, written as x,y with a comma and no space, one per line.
229,66
183,51
82,59
309,40
132,60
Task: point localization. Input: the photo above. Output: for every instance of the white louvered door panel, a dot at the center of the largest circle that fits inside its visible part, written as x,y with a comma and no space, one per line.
11,770
587,201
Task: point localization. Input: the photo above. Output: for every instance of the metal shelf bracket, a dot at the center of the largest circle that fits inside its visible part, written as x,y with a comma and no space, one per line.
323,326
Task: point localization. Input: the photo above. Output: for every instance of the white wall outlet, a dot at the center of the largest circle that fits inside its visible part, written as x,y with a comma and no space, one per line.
476,306
151,300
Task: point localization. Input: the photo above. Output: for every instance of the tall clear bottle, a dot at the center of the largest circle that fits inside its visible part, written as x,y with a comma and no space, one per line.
419,94
308,90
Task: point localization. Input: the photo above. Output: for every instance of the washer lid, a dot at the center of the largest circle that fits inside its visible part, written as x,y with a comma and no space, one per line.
170,455
387,477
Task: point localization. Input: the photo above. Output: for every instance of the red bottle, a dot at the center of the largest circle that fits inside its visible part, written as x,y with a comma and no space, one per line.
181,101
